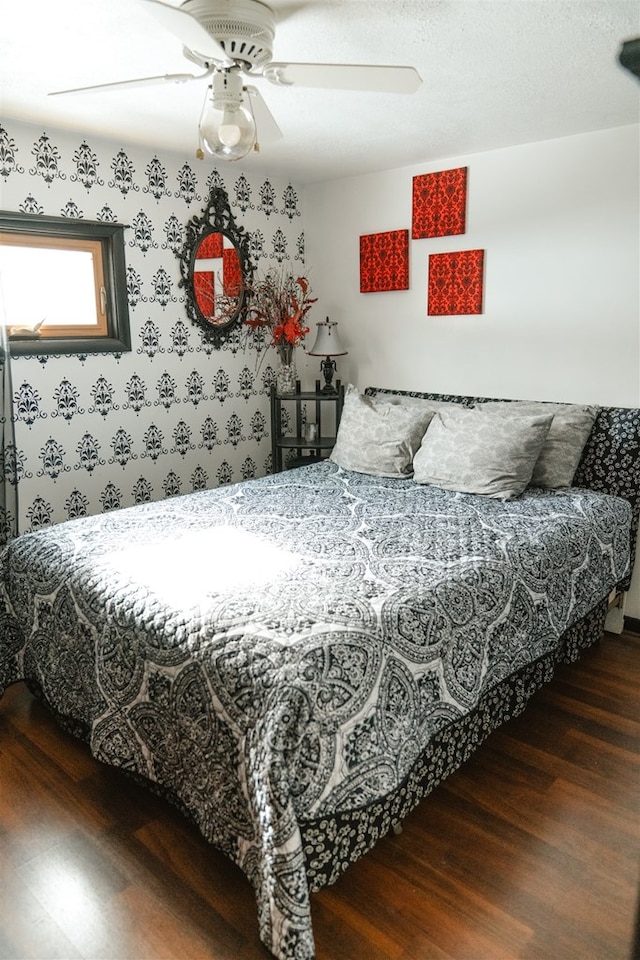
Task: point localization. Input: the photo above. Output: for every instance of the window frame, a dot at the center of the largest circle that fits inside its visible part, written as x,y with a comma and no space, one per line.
106,237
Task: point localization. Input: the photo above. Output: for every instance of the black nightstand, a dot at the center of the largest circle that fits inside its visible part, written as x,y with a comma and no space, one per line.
306,451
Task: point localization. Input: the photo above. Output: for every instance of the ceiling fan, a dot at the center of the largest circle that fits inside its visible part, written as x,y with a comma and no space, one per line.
230,40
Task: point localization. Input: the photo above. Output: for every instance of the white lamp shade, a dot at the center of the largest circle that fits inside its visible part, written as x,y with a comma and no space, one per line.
327,341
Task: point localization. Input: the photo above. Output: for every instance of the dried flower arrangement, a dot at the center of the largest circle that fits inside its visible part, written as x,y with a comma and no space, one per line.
278,303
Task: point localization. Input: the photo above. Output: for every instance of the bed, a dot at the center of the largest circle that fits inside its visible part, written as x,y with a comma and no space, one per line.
295,661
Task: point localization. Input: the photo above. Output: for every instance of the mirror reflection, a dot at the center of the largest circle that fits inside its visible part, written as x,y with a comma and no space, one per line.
217,278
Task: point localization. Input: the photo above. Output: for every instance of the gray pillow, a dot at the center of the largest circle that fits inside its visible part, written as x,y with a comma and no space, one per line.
469,451
377,437
400,400
567,437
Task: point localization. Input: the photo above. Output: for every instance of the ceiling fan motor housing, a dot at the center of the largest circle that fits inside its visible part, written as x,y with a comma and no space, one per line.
244,28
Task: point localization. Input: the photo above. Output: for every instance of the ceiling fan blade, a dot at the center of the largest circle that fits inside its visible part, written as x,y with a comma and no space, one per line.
140,82
339,76
191,33
266,126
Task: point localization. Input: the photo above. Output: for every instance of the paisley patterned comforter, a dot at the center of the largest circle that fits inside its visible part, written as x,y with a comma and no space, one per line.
283,649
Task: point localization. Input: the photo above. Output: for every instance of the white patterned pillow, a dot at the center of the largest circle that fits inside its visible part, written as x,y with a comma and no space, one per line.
472,452
567,437
378,437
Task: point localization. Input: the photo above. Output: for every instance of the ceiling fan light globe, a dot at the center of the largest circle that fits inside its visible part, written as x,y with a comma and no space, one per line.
228,134
227,125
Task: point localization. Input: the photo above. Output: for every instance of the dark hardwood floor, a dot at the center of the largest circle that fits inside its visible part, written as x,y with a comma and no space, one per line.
529,852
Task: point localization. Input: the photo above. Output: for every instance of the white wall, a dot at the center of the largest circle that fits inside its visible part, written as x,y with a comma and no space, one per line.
559,223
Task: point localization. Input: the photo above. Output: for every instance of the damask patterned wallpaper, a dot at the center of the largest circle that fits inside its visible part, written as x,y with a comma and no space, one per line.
97,432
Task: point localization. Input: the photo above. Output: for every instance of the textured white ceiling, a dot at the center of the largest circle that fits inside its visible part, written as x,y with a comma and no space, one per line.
495,73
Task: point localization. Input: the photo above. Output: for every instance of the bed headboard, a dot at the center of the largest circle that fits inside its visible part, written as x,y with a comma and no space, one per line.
610,461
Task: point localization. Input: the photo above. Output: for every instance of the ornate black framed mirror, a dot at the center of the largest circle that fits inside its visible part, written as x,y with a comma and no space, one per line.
216,269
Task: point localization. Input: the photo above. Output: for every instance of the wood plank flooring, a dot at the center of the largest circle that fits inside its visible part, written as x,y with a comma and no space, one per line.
529,852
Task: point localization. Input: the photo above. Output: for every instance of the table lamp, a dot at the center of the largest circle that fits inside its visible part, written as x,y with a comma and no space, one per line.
328,346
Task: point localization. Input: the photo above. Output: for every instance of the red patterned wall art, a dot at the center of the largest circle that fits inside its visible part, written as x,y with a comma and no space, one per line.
439,206
231,272
384,261
455,283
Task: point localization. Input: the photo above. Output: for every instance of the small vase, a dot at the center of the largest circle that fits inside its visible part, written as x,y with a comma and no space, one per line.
286,374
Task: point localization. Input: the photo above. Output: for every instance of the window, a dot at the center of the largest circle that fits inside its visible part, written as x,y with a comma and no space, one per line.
63,285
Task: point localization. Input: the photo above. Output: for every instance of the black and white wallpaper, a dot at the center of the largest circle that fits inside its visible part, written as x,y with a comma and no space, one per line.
175,414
